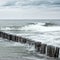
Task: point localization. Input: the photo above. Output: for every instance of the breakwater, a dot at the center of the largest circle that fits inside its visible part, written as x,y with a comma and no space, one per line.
49,50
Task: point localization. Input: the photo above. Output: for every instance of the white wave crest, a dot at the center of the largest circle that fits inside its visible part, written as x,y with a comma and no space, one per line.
8,28
40,28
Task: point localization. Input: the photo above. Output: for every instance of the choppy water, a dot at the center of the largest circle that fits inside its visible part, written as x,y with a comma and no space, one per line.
45,31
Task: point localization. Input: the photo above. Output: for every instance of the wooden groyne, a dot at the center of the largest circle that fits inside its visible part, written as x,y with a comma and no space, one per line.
49,50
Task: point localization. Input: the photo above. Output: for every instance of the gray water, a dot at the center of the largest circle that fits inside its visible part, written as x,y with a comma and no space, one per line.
23,22
10,50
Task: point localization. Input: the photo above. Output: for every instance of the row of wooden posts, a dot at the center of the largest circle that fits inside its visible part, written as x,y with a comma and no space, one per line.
49,50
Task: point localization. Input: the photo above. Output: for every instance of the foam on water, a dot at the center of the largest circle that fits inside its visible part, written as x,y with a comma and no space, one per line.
8,28
33,27
7,43
40,28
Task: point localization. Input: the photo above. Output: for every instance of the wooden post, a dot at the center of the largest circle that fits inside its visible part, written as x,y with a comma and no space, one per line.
0,33
56,55
43,48
6,35
13,38
52,51
37,46
17,38
3,35
20,39
28,42
9,37
24,40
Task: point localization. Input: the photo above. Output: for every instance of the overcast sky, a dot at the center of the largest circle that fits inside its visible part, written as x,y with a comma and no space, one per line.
29,9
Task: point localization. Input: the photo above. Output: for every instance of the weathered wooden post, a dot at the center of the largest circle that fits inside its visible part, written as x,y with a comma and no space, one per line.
52,51
24,40
9,36
13,38
16,37
0,33
43,48
6,35
37,46
56,55
28,41
20,39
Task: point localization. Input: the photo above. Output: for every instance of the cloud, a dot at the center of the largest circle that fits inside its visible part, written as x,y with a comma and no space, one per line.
25,3
30,13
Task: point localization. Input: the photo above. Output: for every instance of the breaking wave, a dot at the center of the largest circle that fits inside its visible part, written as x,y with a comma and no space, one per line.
9,27
28,26
33,27
41,27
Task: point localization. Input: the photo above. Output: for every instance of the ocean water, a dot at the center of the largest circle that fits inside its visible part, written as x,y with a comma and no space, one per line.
45,31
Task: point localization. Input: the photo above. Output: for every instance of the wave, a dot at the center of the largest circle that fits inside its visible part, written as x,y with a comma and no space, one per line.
32,27
10,27
41,27
49,24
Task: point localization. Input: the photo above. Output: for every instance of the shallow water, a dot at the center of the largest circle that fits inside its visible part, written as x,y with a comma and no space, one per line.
16,51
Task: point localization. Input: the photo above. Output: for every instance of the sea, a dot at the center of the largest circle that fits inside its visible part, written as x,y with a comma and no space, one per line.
40,30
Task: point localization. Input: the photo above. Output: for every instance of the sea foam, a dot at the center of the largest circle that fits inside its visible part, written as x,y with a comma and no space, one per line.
40,27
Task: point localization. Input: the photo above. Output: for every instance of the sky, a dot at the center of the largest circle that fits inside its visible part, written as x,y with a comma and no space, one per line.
29,9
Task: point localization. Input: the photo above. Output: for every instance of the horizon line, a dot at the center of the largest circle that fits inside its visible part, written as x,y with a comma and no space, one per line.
29,19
